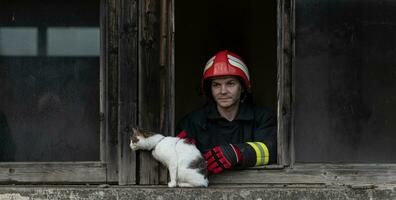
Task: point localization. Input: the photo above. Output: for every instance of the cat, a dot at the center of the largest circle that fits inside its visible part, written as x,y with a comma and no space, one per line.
186,166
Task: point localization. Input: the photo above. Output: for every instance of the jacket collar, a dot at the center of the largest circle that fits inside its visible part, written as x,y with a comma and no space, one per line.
245,112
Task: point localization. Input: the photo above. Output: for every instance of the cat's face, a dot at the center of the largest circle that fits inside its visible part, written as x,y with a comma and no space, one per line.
138,139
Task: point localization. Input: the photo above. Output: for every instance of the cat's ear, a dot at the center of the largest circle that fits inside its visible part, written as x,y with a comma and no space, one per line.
134,130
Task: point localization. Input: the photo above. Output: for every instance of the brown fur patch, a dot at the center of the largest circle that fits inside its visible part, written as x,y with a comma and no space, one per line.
200,164
146,134
140,132
134,138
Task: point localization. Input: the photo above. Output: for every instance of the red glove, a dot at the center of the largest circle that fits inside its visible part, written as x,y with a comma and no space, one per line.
222,157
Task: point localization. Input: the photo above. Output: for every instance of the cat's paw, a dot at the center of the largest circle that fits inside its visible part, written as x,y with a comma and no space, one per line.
185,185
172,184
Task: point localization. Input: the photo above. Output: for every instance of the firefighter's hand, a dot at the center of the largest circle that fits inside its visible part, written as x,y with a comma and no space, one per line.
222,157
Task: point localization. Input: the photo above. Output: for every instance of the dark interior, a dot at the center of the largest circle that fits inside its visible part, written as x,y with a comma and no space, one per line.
247,28
345,81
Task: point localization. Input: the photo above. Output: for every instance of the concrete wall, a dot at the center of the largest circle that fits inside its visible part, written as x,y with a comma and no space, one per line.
213,192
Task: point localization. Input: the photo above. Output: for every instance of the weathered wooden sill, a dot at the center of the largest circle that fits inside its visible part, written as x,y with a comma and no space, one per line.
60,172
354,175
327,174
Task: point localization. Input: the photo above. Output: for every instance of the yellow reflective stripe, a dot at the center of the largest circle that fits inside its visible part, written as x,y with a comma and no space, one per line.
258,153
266,152
262,153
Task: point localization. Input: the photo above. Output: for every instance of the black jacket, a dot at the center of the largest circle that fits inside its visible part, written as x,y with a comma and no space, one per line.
252,124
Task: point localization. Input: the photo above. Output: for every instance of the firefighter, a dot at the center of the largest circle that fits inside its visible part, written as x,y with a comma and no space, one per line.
229,130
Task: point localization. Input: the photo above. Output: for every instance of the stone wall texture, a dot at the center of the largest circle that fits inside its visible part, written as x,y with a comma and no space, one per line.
255,192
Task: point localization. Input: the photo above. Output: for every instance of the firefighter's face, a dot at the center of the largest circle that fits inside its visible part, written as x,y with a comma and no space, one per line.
226,91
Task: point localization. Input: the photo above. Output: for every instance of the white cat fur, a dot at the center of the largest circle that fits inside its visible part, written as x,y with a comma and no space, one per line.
176,155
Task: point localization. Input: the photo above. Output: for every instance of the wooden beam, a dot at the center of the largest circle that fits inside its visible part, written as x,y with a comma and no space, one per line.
167,73
109,90
327,174
285,80
110,48
128,87
149,84
51,172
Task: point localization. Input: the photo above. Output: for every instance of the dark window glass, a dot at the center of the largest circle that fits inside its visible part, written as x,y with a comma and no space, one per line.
49,80
345,80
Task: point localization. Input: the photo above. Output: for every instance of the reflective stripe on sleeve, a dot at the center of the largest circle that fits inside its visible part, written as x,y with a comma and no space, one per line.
262,153
266,152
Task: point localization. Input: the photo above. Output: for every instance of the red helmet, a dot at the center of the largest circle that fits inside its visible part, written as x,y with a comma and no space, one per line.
226,63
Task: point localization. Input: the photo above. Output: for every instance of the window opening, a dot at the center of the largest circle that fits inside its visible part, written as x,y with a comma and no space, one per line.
247,28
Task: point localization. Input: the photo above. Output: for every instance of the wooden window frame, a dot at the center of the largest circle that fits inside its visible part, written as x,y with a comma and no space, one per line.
359,176
127,46
139,40
104,170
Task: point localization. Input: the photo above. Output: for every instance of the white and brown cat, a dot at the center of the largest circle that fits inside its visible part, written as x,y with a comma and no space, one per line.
186,166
